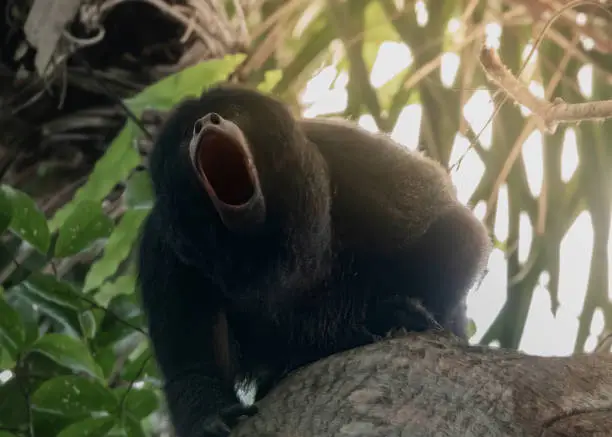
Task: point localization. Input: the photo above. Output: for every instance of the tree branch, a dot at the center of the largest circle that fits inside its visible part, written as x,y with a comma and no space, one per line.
547,115
434,385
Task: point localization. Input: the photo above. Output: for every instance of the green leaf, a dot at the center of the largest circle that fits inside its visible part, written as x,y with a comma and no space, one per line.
142,364
6,211
115,165
86,224
139,191
125,284
377,27
271,78
121,157
49,288
27,221
388,91
370,52
106,359
7,361
66,316
138,402
27,312
92,427
74,396
13,405
68,352
471,328
117,249
44,367
12,329
127,314
7,434
88,323
132,427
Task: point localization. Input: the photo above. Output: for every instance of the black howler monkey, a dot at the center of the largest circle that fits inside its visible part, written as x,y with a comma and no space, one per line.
276,241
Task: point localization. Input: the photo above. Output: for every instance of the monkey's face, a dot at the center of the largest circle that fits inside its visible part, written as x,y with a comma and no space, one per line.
250,156
202,162
246,147
245,165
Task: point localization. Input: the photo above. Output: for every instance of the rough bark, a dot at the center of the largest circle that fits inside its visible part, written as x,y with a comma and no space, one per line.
433,385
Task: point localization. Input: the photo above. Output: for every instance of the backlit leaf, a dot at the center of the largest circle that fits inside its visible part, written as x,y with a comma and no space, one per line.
139,191
115,165
189,82
121,157
117,248
125,284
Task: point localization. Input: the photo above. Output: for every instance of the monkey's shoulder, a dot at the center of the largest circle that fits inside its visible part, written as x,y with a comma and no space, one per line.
374,156
382,190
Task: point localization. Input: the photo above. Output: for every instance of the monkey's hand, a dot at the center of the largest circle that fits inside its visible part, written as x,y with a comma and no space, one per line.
214,426
221,424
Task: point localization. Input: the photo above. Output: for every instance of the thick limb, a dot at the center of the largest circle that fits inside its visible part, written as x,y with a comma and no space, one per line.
452,253
201,406
183,315
430,279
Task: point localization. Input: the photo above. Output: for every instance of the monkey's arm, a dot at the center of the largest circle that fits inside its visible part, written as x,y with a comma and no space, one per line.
440,268
183,327
453,254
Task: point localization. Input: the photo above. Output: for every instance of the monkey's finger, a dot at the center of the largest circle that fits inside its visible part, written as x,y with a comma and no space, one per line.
216,427
231,415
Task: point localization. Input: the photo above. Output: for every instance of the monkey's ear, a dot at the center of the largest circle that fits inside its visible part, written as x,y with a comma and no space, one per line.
224,163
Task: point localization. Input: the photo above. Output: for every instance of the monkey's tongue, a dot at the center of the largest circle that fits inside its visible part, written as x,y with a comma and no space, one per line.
225,166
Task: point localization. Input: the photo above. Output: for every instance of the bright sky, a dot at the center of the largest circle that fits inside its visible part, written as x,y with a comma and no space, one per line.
544,334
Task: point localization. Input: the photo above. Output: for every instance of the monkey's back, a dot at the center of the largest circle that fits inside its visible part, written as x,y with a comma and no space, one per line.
405,191
398,223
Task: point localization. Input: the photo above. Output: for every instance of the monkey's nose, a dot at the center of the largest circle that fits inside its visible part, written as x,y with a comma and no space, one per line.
210,118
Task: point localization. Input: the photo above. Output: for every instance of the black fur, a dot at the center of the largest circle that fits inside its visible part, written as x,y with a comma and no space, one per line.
354,225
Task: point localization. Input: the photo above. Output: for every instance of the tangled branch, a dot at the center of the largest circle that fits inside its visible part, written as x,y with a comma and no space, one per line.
547,114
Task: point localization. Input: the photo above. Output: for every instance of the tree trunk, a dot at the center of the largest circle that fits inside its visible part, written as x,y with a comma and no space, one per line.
434,385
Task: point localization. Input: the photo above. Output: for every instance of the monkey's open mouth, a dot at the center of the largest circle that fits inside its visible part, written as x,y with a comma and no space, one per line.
225,167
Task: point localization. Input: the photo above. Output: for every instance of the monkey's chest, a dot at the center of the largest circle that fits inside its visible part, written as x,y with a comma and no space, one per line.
305,334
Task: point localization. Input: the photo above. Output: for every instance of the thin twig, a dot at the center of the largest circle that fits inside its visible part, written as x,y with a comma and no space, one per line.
548,115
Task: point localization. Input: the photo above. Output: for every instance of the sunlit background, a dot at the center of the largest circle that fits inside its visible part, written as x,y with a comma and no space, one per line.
545,333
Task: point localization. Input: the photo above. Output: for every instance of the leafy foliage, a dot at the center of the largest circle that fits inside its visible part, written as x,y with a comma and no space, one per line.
72,332
121,157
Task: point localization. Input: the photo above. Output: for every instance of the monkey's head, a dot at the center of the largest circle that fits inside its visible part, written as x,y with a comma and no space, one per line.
238,162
